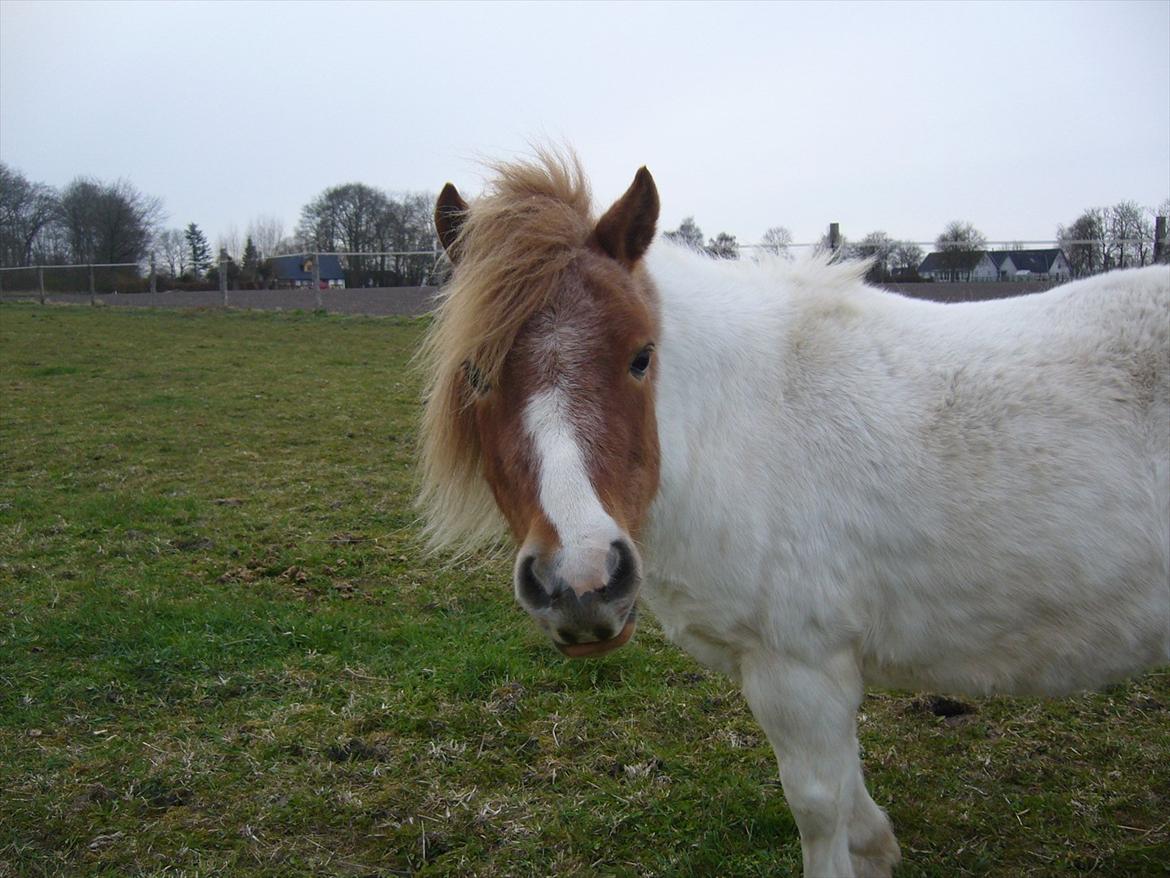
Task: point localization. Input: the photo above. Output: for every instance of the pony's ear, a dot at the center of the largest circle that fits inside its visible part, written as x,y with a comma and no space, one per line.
627,228
450,211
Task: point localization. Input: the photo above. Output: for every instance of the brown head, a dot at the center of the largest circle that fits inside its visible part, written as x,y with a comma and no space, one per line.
540,405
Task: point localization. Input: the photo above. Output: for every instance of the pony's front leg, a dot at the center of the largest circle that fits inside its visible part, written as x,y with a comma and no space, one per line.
809,714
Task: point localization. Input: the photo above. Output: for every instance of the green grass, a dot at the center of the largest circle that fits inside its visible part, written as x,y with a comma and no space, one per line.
221,652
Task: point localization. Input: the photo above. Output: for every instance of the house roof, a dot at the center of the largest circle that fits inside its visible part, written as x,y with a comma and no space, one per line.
950,261
1034,261
299,267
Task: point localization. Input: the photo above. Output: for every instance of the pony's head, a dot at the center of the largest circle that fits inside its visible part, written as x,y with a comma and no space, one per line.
541,393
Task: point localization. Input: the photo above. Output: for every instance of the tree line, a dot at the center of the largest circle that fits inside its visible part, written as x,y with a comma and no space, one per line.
1100,239
1103,238
891,259
90,221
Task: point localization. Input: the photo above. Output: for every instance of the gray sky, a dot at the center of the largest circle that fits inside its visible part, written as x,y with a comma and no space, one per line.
1014,116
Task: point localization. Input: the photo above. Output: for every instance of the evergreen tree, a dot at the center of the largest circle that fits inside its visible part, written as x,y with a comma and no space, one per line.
200,249
250,270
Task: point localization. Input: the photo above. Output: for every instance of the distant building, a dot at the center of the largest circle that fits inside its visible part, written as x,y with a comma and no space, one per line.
1048,264
297,271
986,265
955,267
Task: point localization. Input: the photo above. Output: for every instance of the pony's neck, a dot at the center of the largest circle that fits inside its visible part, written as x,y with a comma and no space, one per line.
735,337
722,324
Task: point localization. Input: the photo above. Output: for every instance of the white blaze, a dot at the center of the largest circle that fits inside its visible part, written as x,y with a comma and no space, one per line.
566,492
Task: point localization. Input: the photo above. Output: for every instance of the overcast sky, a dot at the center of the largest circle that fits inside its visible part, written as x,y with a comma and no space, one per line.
901,117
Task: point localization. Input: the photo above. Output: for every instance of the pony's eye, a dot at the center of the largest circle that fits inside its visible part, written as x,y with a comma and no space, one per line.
641,362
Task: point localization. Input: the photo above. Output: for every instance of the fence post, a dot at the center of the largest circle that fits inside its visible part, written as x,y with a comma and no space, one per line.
153,276
92,287
834,237
1159,238
223,279
317,278
41,282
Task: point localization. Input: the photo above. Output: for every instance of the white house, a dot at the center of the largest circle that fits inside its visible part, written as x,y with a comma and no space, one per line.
974,266
1032,264
1050,265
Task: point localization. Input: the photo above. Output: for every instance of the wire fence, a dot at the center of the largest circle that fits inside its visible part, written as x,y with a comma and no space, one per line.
1013,244
372,269
94,277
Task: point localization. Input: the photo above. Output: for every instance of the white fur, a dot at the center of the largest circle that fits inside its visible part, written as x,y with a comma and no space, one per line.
859,487
567,495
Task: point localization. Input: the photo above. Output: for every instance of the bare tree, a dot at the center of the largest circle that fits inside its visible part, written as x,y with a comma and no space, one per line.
1130,233
356,218
960,244
343,218
27,209
906,259
171,247
1084,243
108,222
723,246
231,243
879,248
266,232
1163,210
777,241
349,218
407,227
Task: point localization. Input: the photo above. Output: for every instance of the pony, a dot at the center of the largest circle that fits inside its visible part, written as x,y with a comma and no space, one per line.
813,484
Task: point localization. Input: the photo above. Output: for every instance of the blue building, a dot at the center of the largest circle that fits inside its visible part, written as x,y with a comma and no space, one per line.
297,271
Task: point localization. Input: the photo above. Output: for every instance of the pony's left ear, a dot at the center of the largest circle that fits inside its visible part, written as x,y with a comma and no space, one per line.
450,212
627,228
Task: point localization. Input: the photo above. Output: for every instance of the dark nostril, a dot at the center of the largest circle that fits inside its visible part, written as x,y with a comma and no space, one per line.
623,570
532,590
567,636
603,632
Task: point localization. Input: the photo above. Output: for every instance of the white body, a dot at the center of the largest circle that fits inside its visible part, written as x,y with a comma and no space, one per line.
858,487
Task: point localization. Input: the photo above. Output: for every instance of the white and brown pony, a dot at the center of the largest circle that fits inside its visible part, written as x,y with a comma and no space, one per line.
813,484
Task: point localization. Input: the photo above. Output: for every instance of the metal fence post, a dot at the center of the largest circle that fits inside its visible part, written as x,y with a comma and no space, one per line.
223,280
153,276
1159,238
834,237
41,282
92,287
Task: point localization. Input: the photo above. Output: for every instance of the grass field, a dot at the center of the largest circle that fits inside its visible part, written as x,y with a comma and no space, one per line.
221,653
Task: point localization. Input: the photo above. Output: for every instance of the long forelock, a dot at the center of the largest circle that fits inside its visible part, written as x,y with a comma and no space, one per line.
515,246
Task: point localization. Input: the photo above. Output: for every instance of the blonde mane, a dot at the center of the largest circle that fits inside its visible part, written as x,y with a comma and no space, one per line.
514,247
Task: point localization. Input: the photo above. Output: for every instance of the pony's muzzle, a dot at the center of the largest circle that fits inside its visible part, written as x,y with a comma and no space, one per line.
585,615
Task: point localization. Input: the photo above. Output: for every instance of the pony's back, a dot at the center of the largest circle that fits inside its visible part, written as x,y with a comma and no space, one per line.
979,492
